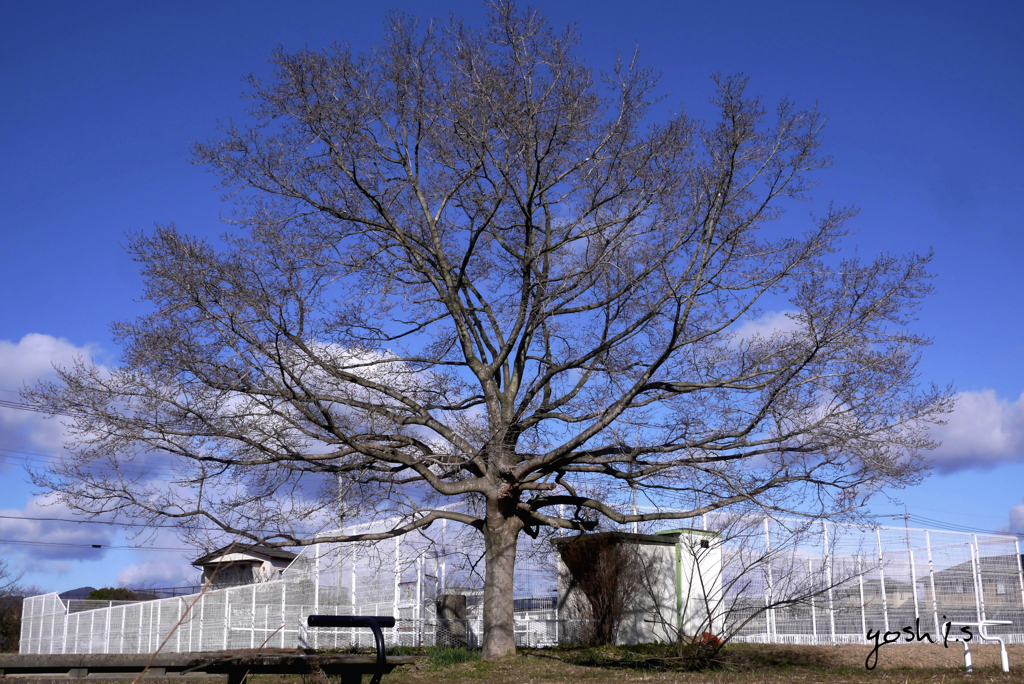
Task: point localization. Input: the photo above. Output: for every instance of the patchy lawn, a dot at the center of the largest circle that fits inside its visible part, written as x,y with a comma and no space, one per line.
741,663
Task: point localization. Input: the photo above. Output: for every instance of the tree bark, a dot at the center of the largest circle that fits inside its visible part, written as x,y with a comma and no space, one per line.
501,535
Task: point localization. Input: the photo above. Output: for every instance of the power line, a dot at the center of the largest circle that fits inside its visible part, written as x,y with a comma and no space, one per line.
128,468
88,522
955,527
24,542
48,458
942,525
17,405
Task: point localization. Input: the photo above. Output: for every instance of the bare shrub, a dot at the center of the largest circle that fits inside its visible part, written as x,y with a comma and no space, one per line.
606,570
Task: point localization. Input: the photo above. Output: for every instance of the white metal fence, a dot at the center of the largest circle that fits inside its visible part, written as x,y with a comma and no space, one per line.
784,582
882,578
267,615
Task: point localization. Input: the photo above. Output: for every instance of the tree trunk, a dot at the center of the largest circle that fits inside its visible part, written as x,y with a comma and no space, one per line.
501,535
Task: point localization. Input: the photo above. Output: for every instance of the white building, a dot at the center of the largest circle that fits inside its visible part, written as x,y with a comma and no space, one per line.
238,564
679,593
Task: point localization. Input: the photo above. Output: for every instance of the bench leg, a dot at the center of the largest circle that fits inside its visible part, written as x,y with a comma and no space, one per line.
237,675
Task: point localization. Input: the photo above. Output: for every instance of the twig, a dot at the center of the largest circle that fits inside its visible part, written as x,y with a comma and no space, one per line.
245,677
188,609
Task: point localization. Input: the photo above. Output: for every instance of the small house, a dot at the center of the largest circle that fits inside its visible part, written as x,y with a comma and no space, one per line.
238,564
675,590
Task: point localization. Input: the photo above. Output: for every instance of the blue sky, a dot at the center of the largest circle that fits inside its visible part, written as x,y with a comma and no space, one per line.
101,101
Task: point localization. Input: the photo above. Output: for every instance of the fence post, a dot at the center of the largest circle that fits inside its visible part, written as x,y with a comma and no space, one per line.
354,641
979,599
419,599
64,641
881,578
53,627
27,642
863,616
316,594
913,570
770,621
124,611
191,627
106,629
828,578
814,612
177,629
202,618
398,577
284,611
25,645
42,612
227,615
252,618
1020,570
931,581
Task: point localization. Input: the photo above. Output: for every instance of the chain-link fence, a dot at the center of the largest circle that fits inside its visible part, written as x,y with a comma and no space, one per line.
782,581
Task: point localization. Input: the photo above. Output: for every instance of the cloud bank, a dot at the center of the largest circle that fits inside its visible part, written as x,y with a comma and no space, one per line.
51,545
984,430
28,438
1016,519
158,573
26,362
766,325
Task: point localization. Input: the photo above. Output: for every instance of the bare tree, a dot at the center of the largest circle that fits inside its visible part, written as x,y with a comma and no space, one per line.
12,595
464,267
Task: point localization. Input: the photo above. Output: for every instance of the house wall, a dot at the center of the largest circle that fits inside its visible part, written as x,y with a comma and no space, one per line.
243,568
681,591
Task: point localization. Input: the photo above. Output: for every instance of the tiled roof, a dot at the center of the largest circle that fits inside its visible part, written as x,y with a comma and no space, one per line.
267,551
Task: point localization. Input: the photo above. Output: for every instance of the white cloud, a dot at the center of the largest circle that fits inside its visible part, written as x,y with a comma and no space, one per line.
50,540
1016,519
767,325
157,573
26,362
983,430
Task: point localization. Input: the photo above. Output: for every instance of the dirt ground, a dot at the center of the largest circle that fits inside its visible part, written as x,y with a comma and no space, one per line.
894,656
903,664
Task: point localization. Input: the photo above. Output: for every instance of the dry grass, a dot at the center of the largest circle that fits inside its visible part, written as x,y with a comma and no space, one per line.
768,664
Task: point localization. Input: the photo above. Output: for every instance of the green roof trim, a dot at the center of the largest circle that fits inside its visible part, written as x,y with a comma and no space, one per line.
703,533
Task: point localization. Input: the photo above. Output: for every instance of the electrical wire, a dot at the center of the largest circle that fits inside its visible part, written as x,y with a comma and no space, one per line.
23,542
89,522
45,459
943,525
27,407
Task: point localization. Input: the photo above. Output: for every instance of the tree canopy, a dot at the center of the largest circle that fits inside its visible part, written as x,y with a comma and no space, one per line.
467,267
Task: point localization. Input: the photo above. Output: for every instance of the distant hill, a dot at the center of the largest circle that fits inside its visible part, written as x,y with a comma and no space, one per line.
79,593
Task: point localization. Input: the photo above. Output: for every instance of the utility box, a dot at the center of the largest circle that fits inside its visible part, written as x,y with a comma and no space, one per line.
670,588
